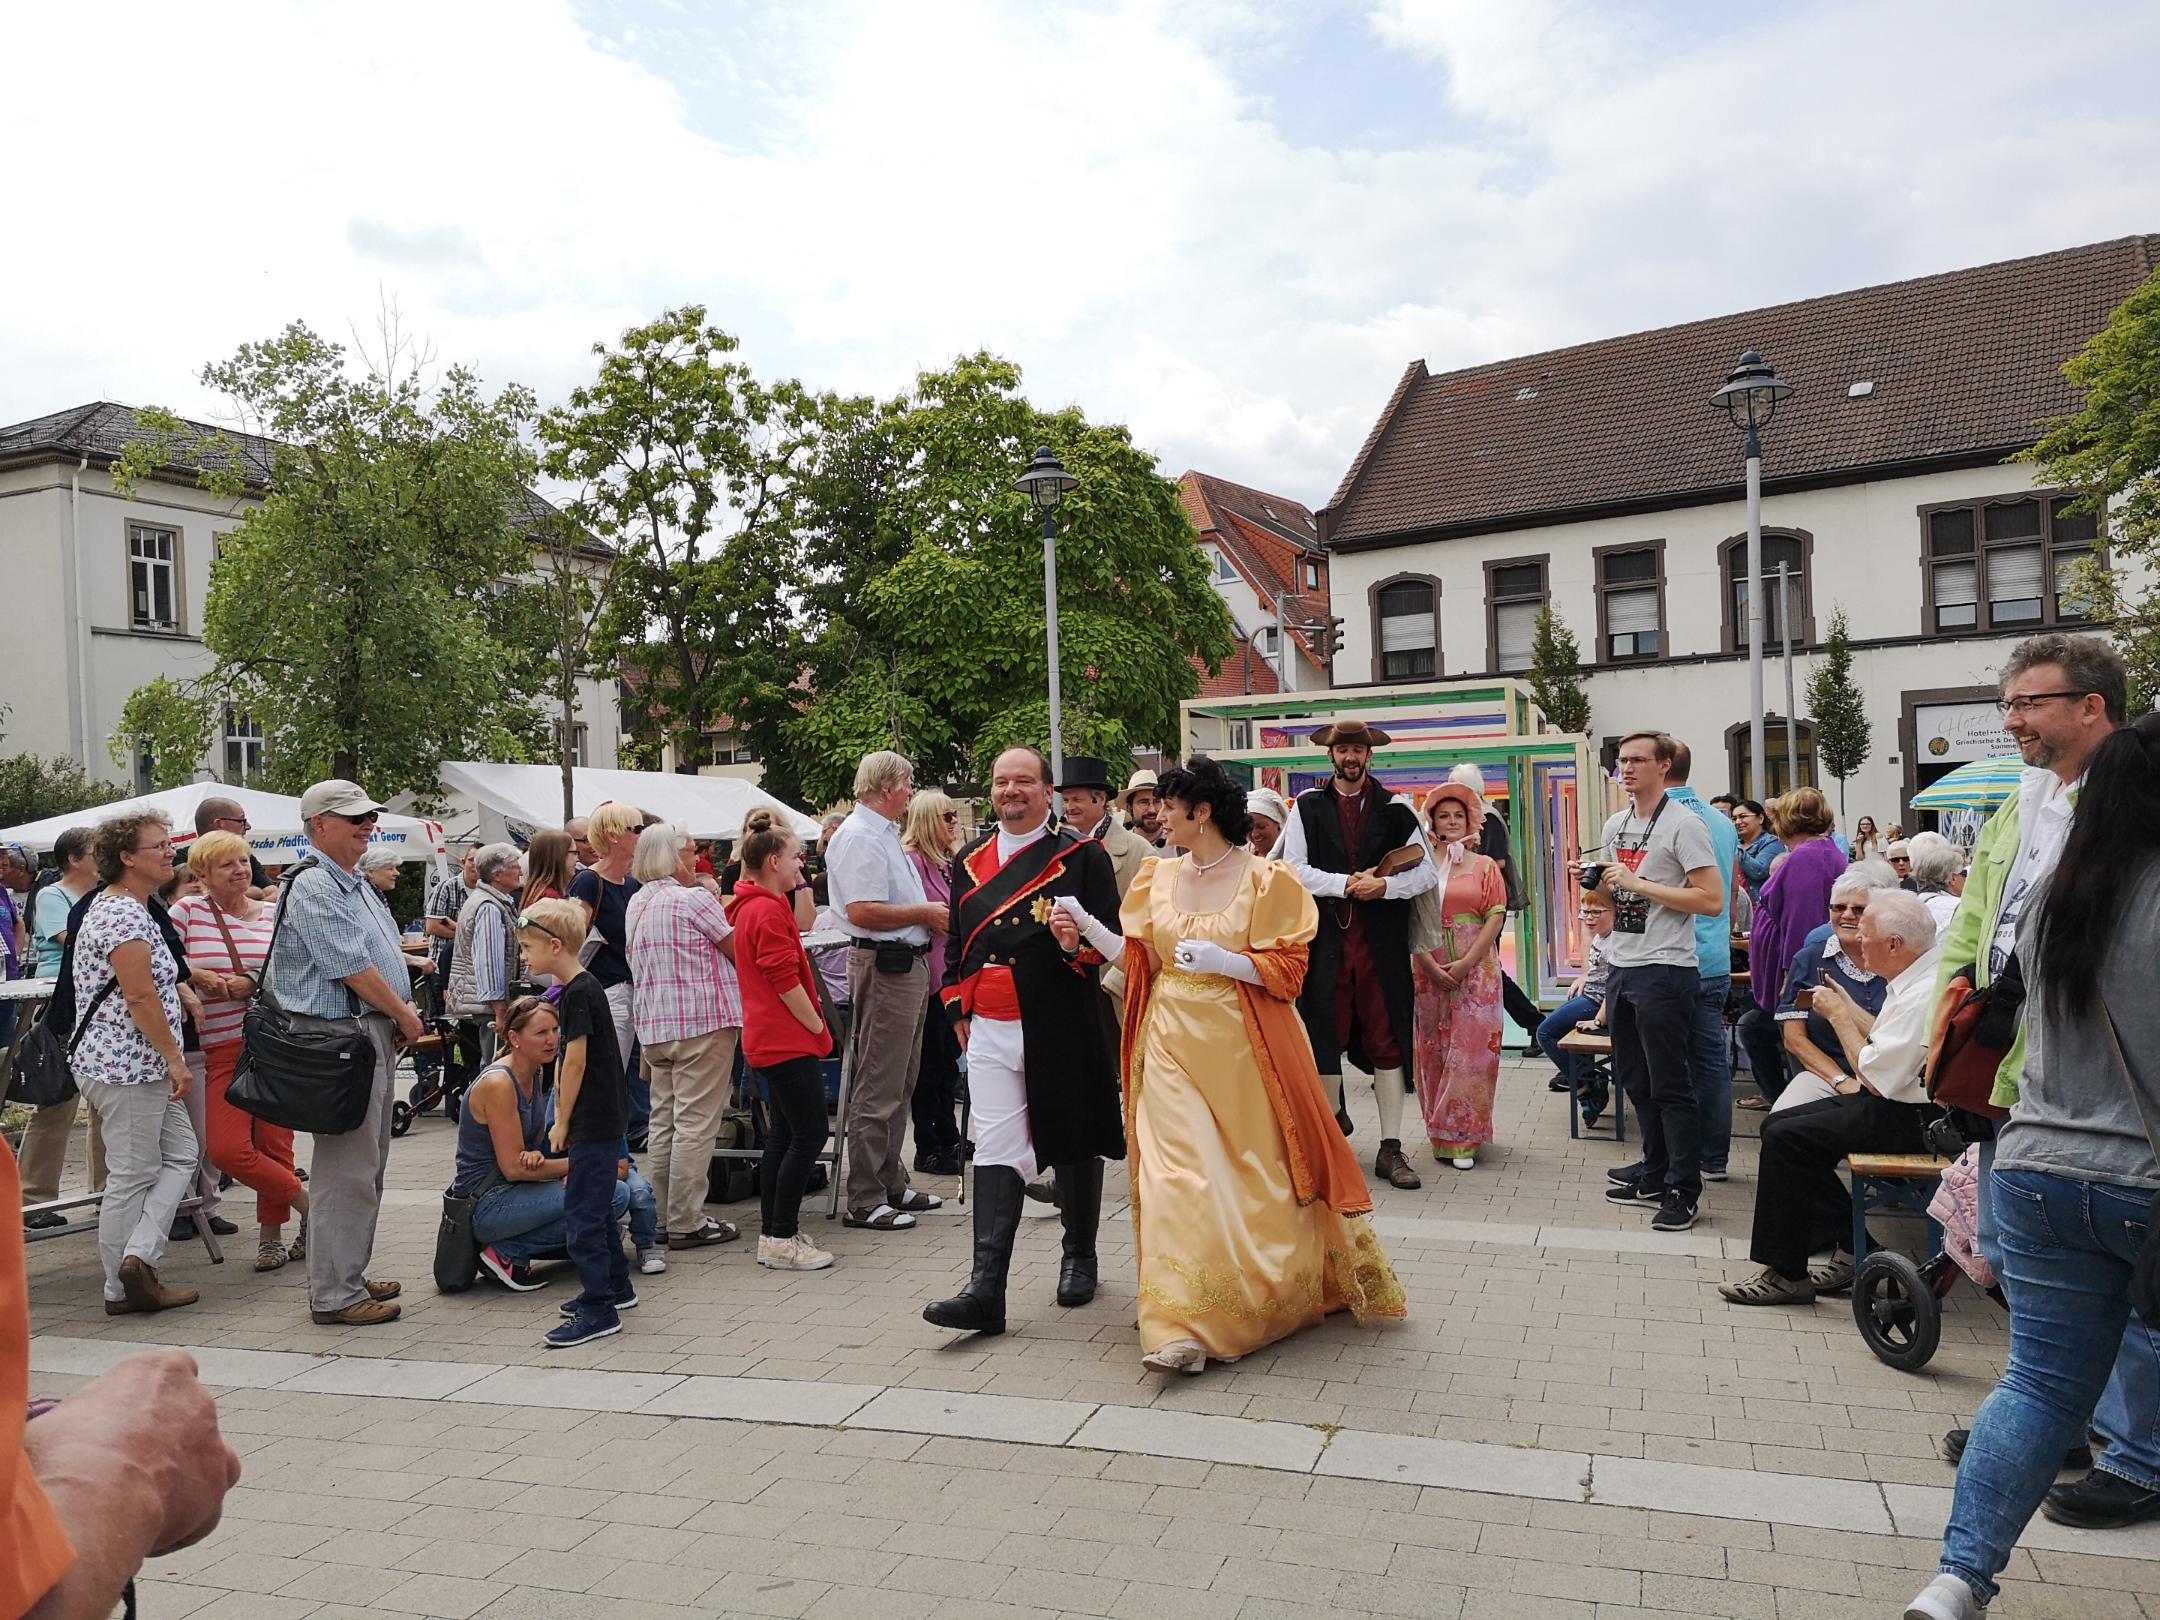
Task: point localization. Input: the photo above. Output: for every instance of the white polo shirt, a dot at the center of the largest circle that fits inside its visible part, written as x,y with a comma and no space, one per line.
864,861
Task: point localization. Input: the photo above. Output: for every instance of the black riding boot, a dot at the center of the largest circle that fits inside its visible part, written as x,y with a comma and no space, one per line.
1082,1212
980,1307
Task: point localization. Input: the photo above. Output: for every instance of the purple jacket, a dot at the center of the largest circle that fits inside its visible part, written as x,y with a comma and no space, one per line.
1795,901
937,889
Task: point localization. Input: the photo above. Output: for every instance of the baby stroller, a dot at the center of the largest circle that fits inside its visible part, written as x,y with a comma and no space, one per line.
1897,1301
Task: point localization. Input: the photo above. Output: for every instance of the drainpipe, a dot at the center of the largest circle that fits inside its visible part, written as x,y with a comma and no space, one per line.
82,708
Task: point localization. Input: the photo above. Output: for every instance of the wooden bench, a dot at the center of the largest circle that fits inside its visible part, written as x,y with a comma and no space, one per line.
1902,1183
191,1207
1598,1049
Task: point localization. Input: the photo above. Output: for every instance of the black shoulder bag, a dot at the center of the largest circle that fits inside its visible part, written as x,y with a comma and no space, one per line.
44,1073
317,1081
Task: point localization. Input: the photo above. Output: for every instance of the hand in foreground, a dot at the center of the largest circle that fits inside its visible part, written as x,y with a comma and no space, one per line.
531,1159
135,1454
1065,931
558,1137
179,1077
1199,956
409,1027
1365,886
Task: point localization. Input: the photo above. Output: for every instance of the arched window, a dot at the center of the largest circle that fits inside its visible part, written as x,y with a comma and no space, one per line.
1796,617
1406,629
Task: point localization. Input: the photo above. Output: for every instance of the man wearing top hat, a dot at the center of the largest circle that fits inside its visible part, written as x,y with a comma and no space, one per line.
1084,785
1358,996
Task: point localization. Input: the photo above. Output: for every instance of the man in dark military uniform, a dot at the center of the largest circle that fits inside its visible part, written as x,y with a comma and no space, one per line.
1042,1057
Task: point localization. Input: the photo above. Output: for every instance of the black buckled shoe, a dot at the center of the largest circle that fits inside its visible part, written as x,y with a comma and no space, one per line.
980,1306
1081,1212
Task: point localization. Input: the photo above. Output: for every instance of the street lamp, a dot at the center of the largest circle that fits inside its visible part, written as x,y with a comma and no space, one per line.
1751,396
1045,481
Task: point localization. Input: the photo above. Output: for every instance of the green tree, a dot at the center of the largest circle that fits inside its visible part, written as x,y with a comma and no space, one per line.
2110,453
32,789
1843,736
685,464
1556,674
923,597
366,610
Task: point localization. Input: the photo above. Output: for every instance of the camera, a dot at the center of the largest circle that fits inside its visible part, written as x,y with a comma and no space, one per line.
1593,873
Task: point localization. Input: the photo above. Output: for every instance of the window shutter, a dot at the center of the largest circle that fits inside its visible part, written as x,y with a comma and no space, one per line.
1404,632
1515,633
1957,584
2014,573
1630,612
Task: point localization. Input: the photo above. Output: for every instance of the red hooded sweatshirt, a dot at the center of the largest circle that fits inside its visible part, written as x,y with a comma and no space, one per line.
769,962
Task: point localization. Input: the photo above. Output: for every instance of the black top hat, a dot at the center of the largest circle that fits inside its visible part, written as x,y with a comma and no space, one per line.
1079,771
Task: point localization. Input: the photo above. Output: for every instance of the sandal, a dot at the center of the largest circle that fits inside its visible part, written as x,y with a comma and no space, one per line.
710,1233
1185,1356
1754,1105
380,1291
271,1255
1833,1276
882,1219
297,1249
918,1202
1769,1287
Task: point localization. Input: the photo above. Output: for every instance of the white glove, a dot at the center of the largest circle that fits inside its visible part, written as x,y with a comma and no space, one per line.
1198,956
1099,934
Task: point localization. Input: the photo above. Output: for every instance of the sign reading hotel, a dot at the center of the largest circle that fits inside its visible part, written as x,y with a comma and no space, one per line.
1953,733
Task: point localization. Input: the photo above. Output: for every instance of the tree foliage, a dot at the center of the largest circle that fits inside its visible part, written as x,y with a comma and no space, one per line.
1556,674
32,788
1843,737
2110,453
686,465
366,612
923,619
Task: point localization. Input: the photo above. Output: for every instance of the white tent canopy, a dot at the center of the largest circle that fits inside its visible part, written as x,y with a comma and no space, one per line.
530,796
275,832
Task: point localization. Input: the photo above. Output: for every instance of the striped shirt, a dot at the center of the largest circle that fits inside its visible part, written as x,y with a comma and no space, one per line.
197,919
335,928
685,987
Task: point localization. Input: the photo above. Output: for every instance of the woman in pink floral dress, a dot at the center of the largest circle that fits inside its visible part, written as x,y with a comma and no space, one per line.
1458,986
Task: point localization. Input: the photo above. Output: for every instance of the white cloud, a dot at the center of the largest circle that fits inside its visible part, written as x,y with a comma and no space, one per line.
1102,192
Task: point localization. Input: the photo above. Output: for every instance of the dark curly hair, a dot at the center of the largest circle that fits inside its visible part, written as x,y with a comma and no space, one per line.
1200,781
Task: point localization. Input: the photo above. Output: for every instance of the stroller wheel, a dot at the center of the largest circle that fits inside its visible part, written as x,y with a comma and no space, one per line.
1896,1310
401,1117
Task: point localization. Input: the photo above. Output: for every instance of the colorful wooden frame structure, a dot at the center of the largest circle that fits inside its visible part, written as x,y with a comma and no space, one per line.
1547,784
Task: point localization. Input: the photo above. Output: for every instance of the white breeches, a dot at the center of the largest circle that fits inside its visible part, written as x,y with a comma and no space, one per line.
997,1095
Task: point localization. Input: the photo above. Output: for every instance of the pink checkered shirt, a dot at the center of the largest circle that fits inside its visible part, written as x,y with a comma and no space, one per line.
684,986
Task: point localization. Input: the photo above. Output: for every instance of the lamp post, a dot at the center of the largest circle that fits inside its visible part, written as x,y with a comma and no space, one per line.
1751,396
1045,481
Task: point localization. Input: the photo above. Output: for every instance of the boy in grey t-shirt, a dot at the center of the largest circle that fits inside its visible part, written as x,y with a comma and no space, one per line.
1661,870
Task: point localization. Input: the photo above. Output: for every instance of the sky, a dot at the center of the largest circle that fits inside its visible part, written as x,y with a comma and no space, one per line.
1227,223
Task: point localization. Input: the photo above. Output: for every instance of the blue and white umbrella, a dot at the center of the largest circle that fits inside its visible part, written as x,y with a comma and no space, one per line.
1980,784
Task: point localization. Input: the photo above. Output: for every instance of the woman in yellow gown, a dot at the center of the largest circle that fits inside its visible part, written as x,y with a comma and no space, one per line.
1248,1208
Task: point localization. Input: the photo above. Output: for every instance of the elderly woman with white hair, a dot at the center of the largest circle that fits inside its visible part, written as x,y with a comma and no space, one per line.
1269,816
484,960
1936,866
1802,1207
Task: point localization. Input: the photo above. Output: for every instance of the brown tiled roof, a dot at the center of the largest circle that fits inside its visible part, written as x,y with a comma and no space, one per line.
1244,671
1267,537
1964,367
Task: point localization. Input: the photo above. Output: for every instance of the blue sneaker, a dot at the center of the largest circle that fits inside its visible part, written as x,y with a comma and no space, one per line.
625,1301
582,1329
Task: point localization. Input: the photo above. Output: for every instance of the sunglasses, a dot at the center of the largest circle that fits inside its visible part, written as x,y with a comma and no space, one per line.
1835,906
367,820
949,816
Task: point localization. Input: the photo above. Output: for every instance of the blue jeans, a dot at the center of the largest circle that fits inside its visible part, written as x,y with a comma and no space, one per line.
1559,1022
1711,1064
592,1228
1649,1010
2128,1416
2067,1250
642,1211
523,1220
640,1121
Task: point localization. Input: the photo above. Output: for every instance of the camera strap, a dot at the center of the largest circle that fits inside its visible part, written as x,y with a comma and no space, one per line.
1631,855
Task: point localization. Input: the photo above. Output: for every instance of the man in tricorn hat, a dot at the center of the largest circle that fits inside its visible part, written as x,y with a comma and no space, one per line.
1358,996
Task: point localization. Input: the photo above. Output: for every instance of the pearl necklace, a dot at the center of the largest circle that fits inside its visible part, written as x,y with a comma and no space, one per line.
1199,865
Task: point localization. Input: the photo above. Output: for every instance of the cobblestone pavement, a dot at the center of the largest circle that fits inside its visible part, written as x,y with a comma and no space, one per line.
1572,1426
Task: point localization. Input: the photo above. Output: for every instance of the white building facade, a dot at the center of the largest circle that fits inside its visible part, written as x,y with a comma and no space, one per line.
106,593
1599,481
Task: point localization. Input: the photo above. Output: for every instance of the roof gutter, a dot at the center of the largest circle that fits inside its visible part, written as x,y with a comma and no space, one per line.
1590,511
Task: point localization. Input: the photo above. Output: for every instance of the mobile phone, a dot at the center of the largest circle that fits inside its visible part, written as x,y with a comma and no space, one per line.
1804,999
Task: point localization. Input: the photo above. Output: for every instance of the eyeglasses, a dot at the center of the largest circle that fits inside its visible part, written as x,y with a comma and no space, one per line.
1900,860
233,821
1857,907
2026,702
367,820
165,848
949,817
